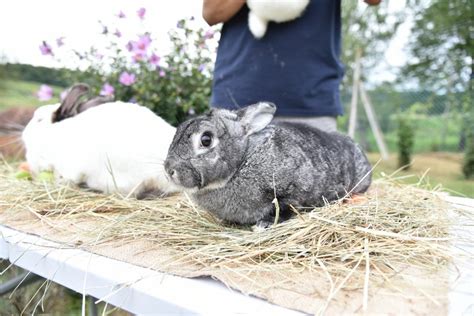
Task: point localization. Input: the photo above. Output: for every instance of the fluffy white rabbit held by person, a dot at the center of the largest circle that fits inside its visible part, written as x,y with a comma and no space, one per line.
264,11
106,146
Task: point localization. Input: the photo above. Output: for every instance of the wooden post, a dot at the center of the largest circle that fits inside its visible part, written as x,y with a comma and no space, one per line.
373,122
355,86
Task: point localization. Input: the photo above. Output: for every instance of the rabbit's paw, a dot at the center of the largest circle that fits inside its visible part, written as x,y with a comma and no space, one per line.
356,199
257,25
262,225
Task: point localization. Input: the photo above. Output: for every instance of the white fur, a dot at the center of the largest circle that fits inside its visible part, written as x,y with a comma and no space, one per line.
264,11
111,147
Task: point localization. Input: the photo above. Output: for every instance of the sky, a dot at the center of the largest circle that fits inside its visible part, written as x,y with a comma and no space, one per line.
24,24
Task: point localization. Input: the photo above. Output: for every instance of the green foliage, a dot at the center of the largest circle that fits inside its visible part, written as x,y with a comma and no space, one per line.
51,76
441,43
18,302
425,110
3,73
468,164
17,93
177,86
420,108
406,136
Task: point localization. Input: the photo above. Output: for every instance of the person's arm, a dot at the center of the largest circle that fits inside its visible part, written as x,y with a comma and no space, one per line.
217,11
372,2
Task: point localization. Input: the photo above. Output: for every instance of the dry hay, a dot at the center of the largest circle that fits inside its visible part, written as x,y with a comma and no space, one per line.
399,226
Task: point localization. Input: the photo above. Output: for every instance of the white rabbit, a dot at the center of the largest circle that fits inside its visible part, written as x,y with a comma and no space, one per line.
264,11
114,146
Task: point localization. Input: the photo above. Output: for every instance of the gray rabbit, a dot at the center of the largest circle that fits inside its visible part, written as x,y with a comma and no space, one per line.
234,163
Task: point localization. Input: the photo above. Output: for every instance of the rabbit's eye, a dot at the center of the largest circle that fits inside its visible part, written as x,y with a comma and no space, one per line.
206,139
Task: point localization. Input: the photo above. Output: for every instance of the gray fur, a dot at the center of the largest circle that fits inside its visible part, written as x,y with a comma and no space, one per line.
253,160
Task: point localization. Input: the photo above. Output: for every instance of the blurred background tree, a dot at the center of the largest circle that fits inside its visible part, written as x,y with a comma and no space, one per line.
442,50
366,32
370,29
441,44
406,135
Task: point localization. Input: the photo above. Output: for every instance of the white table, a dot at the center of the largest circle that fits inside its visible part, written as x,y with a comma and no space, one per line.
132,288
461,297
144,291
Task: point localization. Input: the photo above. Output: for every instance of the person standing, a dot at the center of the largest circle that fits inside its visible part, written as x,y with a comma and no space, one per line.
296,65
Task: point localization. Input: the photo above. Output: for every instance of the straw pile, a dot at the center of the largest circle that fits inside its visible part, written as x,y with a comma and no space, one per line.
352,245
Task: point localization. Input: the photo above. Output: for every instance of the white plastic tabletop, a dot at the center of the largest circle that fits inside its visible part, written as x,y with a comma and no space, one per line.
133,288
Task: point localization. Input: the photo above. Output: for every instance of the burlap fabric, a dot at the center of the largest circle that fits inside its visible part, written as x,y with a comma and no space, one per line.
305,290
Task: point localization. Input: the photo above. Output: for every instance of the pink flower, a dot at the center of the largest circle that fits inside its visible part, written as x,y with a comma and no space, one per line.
141,45
45,93
127,79
121,15
117,33
141,13
209,34
60,41
46,49
143,42
138,56
107,89
154,59
98,55
162,73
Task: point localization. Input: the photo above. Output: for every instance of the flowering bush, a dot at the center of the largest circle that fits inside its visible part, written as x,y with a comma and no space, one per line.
45,93
174,86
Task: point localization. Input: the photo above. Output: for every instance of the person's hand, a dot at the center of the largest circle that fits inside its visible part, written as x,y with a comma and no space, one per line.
372,2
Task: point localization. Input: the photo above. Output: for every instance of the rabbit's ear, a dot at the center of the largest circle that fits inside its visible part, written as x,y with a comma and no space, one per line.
70,105
94,102
256,117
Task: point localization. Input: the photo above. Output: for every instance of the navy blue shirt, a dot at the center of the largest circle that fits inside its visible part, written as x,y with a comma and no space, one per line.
295,65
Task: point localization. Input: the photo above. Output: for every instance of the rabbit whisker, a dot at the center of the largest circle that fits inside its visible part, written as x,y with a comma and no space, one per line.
153,163
152,174
152,159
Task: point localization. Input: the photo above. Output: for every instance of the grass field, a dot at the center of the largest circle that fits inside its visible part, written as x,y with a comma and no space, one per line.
428,134
441,168
15,93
